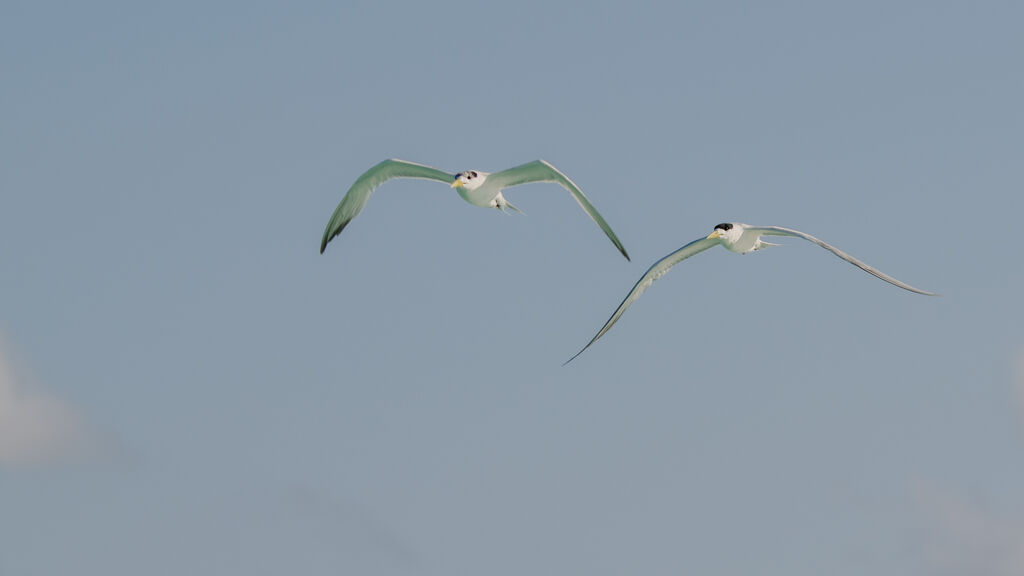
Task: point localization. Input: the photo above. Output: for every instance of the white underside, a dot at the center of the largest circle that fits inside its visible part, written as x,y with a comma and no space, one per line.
484,196
747,242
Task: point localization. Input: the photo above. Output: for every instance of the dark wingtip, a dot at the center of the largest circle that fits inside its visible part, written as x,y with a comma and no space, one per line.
582,350
328,237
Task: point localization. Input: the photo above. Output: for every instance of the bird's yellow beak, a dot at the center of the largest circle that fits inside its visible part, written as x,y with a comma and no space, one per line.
457,184
716,234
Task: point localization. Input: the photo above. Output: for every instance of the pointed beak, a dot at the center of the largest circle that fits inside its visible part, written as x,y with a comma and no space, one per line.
458,184
716,234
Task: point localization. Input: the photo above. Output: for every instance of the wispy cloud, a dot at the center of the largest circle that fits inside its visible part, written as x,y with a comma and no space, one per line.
972,535
34,427
971,539
366,543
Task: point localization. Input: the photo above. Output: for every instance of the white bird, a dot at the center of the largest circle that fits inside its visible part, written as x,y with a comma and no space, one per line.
735,237
478,188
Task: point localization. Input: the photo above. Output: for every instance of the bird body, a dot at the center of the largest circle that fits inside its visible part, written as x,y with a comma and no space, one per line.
739,238
478,188
736,238
475,192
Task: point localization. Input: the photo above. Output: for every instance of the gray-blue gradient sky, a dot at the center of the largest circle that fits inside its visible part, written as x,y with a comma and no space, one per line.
188,387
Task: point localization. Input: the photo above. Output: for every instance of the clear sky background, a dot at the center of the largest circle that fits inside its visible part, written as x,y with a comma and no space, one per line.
188,387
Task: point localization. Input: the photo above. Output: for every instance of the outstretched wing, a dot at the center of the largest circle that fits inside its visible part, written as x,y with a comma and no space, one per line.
779,231
541,171
653,273
359,193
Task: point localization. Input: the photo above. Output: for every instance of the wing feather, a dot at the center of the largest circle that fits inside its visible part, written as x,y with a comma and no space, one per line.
657,270
780,231
542,171
358,194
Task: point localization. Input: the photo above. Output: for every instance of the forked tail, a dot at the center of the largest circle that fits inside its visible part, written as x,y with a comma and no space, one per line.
509,205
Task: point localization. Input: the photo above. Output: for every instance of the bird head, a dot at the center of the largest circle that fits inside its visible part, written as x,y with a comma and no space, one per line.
470,179
727,231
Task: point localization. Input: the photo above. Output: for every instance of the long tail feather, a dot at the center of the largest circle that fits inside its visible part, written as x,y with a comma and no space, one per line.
510,206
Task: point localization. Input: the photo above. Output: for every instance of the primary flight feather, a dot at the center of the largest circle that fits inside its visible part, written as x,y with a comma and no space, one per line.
478,188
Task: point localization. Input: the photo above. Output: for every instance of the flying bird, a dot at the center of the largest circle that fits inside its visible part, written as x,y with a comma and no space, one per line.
478,188
735,237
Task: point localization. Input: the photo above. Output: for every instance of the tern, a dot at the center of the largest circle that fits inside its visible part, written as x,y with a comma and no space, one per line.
735,237
476,187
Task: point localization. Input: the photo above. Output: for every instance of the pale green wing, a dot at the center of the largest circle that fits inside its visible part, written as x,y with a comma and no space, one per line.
653,273
541,171
359,193
779,231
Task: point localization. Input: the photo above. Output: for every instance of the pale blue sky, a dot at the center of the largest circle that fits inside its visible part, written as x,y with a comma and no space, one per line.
188,387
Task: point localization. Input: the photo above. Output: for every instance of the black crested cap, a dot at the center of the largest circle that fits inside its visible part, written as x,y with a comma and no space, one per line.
724,226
